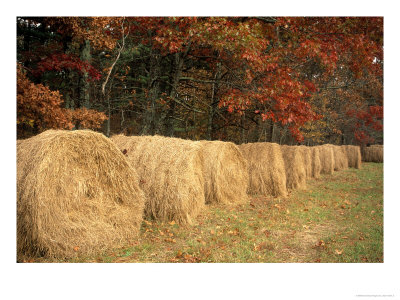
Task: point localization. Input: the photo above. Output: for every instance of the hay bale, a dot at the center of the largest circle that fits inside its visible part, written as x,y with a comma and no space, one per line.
353,156
170,173
306,152
266,169
315,162
76,194
225,173
340,158
373,153
294,167
327,159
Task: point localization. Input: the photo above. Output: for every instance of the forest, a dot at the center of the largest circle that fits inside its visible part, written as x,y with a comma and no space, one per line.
286,80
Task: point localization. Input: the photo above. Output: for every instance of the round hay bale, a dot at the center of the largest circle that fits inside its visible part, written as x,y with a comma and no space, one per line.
327,159
340,158
315,162
170,173
306,152
76,194
266,169
294,167
353,156
373,153
225,173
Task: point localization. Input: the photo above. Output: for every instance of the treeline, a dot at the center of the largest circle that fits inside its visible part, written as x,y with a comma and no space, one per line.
284,80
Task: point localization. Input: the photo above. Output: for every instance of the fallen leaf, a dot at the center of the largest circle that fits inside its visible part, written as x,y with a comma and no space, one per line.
212,231
172,222
267,233
169,240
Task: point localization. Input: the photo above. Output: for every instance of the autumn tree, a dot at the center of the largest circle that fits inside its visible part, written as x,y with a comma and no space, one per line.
285,80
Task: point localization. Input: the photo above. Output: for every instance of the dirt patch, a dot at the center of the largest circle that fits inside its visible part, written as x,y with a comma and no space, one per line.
304,245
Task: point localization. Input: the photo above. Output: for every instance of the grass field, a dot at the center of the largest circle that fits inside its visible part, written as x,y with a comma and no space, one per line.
338,218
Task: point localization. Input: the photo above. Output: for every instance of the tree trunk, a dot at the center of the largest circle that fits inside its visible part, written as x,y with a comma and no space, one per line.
271,132
170,121
85,84
213,103
149,117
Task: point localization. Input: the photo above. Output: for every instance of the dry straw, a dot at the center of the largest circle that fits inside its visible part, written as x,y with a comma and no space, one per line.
340,157
306,152
353,155
315,162
294,167
170,173
266,169
225,173
327,159
373,153
76,194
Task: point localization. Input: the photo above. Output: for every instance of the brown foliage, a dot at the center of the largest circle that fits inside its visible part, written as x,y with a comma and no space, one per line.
88,118
38,106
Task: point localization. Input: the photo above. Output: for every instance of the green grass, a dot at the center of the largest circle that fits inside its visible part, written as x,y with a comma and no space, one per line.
338,218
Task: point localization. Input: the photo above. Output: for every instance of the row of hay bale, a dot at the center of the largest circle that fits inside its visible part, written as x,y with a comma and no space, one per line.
79,192
276,170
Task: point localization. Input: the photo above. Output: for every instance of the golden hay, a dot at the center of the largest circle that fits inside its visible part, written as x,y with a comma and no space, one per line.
373,153
225,173
76,194
315,162
340,157
294,167
170,173
327,159
266,169
353,155
306,153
